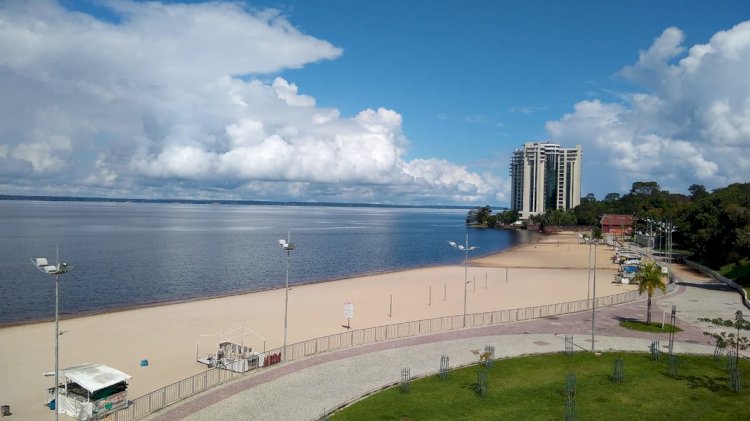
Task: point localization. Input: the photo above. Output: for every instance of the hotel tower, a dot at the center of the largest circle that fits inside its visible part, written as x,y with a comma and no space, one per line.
544,176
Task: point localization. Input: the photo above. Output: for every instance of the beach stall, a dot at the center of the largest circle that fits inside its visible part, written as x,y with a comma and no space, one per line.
231,350
90,391
627,273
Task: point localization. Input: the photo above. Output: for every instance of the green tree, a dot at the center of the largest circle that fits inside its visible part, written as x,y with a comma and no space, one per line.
697,192
612,197
649,279
714,227
644,188
508,217
588,212
596,233
478,215
558,217
726,340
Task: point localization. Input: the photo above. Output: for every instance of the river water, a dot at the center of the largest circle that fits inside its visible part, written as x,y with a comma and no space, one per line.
131,254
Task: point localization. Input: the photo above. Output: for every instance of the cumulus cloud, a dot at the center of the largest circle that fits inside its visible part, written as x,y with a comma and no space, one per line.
688,123
181,100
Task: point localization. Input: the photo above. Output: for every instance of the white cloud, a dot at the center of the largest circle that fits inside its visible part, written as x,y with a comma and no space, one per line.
527,109
44,155
689,124
170,100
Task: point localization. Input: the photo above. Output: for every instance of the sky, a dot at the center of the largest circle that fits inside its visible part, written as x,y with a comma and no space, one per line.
387,101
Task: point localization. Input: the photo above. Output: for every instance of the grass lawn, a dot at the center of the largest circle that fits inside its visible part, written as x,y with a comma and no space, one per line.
739,272
533,388
643,327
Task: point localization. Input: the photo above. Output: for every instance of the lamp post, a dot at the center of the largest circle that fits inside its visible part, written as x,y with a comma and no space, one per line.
593,301
466,249
670,230
588,280
287,246
57,269
651,237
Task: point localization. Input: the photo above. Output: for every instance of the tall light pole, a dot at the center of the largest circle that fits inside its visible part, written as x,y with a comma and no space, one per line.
287,246
670,230
466,249
650,237
57,269
588,280
593,301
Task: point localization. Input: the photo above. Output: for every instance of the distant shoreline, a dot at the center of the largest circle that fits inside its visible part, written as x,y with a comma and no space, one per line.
229,202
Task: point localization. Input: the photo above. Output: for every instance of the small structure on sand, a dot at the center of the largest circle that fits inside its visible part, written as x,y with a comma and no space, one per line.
231,350
90,391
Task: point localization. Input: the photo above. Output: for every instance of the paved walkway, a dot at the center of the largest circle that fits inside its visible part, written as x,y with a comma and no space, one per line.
304,389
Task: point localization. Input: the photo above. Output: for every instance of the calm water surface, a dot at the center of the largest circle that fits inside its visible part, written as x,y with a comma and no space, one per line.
129,254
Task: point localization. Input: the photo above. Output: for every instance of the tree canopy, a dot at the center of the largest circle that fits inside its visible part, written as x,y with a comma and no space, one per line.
649,278
713,227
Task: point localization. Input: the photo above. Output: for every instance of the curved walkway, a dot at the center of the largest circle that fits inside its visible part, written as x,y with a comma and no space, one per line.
304,389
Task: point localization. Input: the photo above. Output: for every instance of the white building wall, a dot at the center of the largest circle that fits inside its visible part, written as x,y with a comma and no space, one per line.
532,195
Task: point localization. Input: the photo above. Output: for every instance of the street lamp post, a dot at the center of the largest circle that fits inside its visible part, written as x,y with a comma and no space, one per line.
57,269
466,249
593,301
287,246
588,280
670,230
651,237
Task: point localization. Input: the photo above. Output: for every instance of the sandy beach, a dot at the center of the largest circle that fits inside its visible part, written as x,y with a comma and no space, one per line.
550,271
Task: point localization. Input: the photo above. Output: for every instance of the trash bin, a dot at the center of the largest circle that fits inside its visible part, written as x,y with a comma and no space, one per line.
5,410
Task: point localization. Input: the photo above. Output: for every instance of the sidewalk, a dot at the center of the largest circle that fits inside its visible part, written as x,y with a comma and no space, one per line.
304,389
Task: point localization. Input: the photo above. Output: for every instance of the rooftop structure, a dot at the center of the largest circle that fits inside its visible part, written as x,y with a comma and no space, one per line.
617,224
90,391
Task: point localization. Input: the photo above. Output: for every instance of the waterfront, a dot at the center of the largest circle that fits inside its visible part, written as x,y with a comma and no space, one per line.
133,254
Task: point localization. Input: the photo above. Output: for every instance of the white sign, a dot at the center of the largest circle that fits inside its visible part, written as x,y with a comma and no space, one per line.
349,310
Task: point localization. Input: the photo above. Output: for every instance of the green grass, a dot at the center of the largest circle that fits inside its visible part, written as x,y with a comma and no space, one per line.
532,388
643,327
738,272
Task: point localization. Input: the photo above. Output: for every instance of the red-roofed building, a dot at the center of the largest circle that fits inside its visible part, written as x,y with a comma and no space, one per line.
617,224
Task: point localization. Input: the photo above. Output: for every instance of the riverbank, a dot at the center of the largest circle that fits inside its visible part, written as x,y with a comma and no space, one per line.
549,271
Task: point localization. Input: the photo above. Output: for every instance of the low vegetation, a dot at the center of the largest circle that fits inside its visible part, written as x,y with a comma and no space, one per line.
533,388
738,271
649,327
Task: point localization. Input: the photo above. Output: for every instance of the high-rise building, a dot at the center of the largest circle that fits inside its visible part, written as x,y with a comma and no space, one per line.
544,176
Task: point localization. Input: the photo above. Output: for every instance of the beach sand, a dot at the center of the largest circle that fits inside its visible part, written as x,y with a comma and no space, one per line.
550,271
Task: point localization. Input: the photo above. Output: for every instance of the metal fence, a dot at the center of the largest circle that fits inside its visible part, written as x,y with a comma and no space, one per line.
183,389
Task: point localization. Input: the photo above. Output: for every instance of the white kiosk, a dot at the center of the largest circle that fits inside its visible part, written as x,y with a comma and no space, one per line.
90,391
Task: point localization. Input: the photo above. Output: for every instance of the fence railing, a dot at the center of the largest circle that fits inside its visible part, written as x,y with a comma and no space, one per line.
183,389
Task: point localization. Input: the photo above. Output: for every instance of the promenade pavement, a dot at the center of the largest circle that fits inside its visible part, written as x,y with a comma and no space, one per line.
304,389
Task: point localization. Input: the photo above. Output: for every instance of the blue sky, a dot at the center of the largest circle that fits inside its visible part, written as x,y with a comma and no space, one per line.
414,102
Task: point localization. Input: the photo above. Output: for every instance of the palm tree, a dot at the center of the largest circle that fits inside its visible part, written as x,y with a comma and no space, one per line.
649,278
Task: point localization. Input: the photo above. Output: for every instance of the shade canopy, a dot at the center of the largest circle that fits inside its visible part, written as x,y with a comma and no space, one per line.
92,377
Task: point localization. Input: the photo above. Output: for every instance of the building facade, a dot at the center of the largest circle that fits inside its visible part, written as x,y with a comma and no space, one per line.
543,176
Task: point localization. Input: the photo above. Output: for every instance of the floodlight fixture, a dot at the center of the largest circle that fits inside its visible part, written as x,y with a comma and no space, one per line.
466,249
287,246
42,264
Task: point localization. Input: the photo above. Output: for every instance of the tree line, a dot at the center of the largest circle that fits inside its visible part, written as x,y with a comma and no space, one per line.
482,216
714,227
